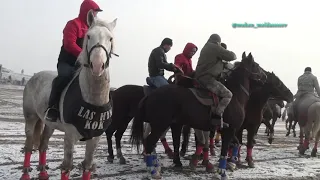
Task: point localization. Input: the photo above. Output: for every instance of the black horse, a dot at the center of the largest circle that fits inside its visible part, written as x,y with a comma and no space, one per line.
274,87
176,106
125,106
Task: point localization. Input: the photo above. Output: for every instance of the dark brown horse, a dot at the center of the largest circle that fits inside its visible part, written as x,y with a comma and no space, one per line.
125,106
275,106
273,87
175,106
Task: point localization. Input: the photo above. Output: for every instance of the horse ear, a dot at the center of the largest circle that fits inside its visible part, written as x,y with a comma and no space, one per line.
90,18
250,55
112,25
244,55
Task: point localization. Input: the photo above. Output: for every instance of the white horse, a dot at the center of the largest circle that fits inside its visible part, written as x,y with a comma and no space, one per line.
307,112
85,107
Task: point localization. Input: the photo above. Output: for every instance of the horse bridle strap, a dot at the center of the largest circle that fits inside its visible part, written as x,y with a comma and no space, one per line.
98,45
244,90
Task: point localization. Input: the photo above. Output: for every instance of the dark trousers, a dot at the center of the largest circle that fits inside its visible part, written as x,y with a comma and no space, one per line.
65,73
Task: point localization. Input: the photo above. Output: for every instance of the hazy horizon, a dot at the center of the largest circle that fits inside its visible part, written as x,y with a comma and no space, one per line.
32,33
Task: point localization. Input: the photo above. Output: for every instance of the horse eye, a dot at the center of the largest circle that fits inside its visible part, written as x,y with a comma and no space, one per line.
111,39
88,36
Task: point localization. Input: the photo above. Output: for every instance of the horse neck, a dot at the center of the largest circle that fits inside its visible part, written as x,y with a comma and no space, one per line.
94,90
260,97
235,83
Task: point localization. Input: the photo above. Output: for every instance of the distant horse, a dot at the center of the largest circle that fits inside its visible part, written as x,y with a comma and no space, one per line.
254,110
307,111
275,106
290,119
175,106
85,106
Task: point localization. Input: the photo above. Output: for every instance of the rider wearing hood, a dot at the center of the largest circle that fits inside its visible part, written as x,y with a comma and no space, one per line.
209,68
183,60
73,35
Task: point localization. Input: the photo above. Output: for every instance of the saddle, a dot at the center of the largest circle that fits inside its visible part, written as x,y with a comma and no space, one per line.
301,106
147,89
203,95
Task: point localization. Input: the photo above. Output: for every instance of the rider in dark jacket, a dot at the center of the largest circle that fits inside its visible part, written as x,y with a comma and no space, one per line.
158,63
73,35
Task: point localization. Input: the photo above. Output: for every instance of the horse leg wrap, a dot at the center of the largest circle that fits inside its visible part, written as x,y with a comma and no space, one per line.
167,148
235,154
306,143
65,174
206,162
26,166
230,152
199,149
212,142
222,166
152,164
86,175
42,167
249,151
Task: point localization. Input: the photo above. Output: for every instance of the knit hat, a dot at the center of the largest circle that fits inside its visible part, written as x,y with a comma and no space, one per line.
166,41
215,38
307,69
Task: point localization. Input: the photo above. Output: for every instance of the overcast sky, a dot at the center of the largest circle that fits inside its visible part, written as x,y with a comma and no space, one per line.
31,33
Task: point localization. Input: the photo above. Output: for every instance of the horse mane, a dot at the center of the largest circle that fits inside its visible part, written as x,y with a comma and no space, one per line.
83,56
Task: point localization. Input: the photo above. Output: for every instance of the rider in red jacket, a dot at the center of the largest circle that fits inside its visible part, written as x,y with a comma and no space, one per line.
184,61
73,35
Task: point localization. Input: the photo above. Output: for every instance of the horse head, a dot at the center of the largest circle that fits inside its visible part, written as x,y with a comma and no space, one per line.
98,45
277,88
253,70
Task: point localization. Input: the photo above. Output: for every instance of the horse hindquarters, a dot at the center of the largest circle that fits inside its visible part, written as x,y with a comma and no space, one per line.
312,126
314,113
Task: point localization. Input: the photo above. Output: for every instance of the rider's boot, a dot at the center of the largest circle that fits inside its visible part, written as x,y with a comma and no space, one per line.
58,84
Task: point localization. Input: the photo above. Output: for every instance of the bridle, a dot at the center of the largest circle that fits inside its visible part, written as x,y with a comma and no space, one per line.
98,45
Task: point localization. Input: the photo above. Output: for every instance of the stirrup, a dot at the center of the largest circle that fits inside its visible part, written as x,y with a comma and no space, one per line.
52,109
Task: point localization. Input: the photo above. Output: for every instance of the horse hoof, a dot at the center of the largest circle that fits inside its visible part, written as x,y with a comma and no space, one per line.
209,167
224,177
110,159
231,166
302,150
250,162
287,134
178,165
314,153
182,153
122,160
270,141
294,135
170,154
25,177
157,176
43,175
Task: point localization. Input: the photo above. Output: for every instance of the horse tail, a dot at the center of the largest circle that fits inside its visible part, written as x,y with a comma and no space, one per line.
137,125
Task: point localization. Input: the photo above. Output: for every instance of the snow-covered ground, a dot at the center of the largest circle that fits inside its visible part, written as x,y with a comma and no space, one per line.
277,161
